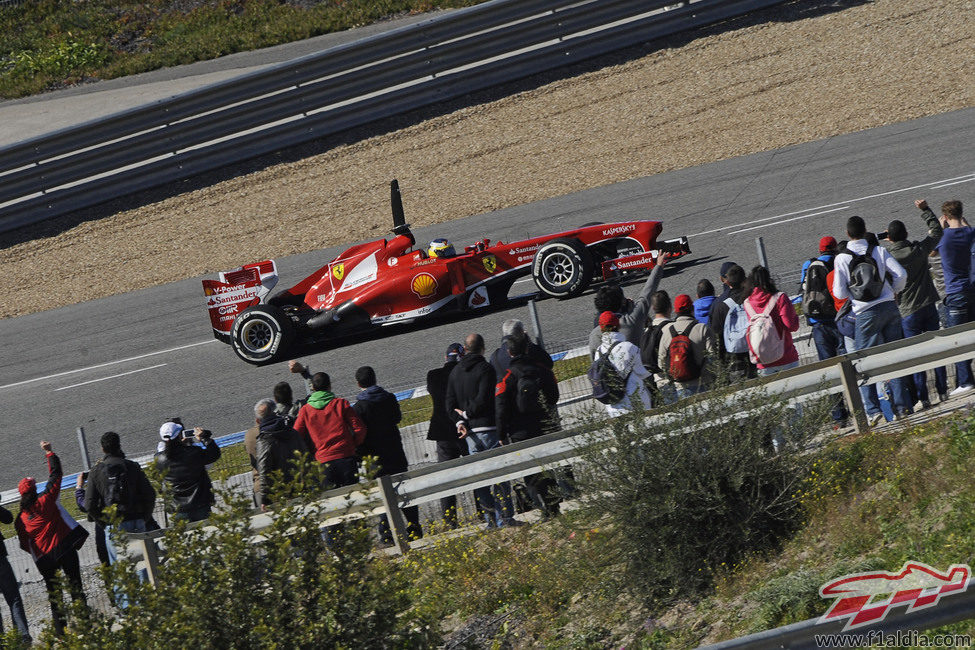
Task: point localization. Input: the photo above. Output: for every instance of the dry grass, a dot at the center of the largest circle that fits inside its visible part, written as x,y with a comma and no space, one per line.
723,95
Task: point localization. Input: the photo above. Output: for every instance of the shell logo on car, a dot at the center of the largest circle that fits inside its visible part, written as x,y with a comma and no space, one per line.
338,271
490,263
424,285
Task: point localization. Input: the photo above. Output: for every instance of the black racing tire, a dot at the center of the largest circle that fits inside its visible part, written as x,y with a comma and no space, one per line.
262,334
562,268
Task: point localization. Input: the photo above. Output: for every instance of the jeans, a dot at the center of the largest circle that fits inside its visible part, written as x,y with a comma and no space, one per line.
926,320
877,325
130,526
341,472
497,498
767,372
196,514
11,593
449,450
829,343
960,312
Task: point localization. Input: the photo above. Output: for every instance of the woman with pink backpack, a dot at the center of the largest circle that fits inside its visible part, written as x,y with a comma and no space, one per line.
771,321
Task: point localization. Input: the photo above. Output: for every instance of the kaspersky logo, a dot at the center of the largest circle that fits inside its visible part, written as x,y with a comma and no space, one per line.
865,598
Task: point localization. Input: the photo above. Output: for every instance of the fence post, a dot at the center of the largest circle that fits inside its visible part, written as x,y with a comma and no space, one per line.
536,323
851,393
762,255
397,523
151,554
83,443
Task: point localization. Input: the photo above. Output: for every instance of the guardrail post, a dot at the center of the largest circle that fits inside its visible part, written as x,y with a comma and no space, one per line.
151,554
762,255
851,393
397,523
83,443
536,323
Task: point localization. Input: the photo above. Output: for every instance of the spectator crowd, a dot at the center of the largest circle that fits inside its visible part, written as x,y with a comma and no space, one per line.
866,290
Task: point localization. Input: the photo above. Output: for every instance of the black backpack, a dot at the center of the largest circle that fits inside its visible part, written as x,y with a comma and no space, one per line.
608,385
817,300
529,399
866,281
120,489
650,345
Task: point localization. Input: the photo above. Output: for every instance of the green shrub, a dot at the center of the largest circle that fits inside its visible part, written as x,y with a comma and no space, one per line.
297,588
684,506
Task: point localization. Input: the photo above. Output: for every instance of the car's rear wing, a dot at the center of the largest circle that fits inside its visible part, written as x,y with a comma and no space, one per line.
237,290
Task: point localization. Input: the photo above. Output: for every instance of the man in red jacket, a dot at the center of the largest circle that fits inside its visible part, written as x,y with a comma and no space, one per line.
332,430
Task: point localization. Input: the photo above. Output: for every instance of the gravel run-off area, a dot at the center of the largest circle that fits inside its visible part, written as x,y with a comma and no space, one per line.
801,72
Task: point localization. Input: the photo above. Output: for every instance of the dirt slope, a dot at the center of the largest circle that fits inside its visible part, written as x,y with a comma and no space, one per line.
848,66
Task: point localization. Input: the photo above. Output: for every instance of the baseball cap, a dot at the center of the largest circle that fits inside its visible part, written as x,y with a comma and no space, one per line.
170,430
724,269
826,243
609,319
26,485
455,351
683,302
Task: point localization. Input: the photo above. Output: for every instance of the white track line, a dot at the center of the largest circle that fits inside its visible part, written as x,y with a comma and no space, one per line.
944,182
131,372
108,363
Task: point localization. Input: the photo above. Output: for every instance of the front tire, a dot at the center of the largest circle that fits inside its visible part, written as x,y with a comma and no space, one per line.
562,268
262,334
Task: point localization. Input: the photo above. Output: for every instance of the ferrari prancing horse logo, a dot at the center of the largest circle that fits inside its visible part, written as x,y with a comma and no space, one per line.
339,271
490,263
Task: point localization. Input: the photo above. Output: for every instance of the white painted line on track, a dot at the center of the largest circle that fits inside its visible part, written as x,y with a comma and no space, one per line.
965,180
131,372
944,182
770,225
108,363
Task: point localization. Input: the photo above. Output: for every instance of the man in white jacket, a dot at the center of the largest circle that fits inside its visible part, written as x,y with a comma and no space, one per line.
625,357
878,320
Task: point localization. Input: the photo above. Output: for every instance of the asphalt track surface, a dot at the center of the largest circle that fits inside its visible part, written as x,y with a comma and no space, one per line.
127,362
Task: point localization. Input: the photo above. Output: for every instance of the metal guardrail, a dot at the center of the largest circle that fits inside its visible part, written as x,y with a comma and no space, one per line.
326,93
841,374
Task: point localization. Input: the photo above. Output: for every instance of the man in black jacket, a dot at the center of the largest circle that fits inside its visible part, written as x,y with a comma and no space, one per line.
524,398
738,365
381,414
470,404
184,466
276,449
442,429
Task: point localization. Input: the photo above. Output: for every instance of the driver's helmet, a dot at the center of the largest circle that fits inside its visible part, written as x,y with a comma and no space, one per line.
441,248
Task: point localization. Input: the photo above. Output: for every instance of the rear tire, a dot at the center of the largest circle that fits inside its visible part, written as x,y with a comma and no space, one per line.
262,334
562,268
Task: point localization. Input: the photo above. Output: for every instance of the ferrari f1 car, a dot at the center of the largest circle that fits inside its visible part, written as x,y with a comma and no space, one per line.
386,282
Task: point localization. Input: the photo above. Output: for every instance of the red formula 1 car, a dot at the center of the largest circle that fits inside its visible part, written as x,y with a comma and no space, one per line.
387,282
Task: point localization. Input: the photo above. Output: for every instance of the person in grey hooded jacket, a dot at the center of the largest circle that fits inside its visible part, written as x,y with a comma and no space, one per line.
278,448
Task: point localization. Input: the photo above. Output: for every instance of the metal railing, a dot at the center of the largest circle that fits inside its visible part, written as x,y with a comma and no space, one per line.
326,93
838,375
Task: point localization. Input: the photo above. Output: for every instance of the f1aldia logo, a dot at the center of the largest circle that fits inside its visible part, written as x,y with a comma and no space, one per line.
865,598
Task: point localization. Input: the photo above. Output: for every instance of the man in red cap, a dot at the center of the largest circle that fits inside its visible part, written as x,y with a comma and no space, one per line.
686,349
820,309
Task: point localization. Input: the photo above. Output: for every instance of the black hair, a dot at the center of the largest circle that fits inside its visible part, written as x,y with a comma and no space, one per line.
517,346
660,302
705,288
321,381
760,278
609,298
365,376
856,228
282,393
735,276
112,444
28,499
896,231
